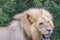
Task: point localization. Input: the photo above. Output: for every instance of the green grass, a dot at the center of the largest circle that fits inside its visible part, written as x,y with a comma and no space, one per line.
56,33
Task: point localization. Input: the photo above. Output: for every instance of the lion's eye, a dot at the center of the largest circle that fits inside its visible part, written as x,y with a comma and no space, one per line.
40,23
48,21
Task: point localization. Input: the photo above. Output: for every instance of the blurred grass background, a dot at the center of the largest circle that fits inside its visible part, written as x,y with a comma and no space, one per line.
8,8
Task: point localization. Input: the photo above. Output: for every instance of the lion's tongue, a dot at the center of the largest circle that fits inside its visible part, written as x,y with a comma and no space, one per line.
45,37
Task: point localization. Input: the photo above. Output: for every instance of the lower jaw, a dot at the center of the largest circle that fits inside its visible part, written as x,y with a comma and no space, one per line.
45,37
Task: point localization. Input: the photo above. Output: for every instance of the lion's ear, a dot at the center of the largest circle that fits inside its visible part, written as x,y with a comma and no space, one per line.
31,19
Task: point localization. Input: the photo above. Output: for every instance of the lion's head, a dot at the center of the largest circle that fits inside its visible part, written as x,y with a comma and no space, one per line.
42,19
45,23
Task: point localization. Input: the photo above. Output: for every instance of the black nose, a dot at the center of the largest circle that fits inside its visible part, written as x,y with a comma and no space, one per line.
49,30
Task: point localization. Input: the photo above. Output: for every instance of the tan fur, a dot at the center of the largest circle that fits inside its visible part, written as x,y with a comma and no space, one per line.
26,25
30,20
12,32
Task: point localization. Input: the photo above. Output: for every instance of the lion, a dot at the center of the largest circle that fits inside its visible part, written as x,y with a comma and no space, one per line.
37,23
32,24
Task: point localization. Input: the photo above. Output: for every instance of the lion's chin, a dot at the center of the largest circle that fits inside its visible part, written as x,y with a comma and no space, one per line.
45,37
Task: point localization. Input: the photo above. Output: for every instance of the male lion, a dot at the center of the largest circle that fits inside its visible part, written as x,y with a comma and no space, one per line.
33,24
37,23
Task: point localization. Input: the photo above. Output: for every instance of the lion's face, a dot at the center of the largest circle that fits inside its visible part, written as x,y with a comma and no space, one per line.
45,25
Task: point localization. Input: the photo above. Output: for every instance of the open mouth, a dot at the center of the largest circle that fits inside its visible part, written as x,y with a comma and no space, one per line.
45,37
